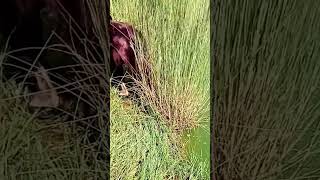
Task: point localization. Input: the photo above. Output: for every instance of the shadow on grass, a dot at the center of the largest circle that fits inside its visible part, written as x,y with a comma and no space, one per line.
40,149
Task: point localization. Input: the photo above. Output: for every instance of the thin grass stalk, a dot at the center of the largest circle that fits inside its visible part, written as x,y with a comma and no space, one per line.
265,82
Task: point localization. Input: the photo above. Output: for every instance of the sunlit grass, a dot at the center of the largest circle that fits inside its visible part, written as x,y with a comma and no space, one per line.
176,35
177,40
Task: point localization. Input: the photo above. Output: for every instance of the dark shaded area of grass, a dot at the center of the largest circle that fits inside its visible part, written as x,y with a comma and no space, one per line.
40,149
33,148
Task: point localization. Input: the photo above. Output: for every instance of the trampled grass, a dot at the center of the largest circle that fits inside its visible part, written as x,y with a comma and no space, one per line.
143,148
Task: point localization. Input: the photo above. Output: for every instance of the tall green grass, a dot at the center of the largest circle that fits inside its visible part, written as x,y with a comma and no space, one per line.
177,39
266,83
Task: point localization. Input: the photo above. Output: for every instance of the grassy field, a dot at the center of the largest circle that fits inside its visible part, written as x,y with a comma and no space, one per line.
142,146
266,83
177,40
